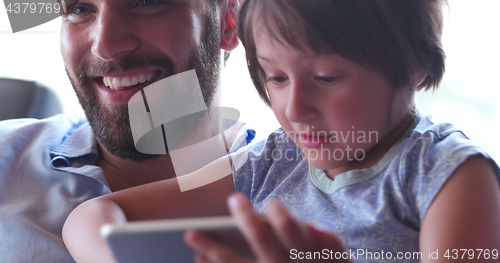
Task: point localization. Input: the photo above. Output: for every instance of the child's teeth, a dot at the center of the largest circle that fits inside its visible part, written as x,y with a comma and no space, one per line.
149,77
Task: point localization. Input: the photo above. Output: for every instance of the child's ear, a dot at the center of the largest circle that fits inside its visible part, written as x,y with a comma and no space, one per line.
229,34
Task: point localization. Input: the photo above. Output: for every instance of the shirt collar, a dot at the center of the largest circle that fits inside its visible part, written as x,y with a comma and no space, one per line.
78,143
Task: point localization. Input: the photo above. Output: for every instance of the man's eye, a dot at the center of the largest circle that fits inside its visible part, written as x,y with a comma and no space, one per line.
77,10
155,7
80,10
79,13
147,2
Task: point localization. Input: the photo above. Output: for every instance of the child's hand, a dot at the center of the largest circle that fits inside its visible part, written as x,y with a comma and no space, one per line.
278,240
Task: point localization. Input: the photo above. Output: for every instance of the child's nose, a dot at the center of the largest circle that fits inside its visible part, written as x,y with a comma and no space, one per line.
300,104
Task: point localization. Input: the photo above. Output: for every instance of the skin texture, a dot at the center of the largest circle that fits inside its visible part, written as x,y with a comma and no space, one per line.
465,214
333,93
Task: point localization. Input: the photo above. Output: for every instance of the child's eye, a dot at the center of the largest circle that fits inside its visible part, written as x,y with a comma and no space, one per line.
327,80
278,80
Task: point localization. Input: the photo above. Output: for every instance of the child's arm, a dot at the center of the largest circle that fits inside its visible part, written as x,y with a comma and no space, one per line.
152,201
464,215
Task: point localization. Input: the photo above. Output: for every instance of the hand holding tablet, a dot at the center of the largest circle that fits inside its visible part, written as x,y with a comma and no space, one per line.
163,240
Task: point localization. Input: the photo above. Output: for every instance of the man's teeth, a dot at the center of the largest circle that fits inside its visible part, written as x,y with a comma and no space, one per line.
119,82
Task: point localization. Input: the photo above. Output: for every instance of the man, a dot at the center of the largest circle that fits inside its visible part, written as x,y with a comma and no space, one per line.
110,48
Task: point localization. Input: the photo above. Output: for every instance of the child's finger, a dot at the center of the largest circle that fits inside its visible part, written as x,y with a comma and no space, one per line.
324,240
258,233
292,234
201,259
210,251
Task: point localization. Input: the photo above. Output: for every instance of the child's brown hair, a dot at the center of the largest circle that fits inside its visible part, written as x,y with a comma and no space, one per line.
395,37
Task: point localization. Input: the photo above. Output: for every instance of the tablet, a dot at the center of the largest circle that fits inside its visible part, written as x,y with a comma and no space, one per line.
163,240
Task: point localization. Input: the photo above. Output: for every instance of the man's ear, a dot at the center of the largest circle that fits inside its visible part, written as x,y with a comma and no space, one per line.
229,34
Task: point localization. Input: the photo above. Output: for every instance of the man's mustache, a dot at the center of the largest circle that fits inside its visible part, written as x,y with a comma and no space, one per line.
89,70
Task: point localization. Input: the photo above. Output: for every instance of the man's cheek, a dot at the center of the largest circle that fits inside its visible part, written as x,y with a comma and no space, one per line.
74,46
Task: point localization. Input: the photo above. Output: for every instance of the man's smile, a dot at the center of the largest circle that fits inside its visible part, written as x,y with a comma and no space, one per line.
120,87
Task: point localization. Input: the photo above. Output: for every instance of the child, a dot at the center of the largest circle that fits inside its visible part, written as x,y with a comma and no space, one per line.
354,155
341,77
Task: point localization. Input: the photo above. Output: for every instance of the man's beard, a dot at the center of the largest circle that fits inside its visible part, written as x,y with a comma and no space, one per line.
111,123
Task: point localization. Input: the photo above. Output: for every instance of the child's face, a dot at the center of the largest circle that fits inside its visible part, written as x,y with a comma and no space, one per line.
334,109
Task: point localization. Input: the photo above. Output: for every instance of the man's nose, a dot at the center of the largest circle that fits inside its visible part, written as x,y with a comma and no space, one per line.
112,35
300,102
